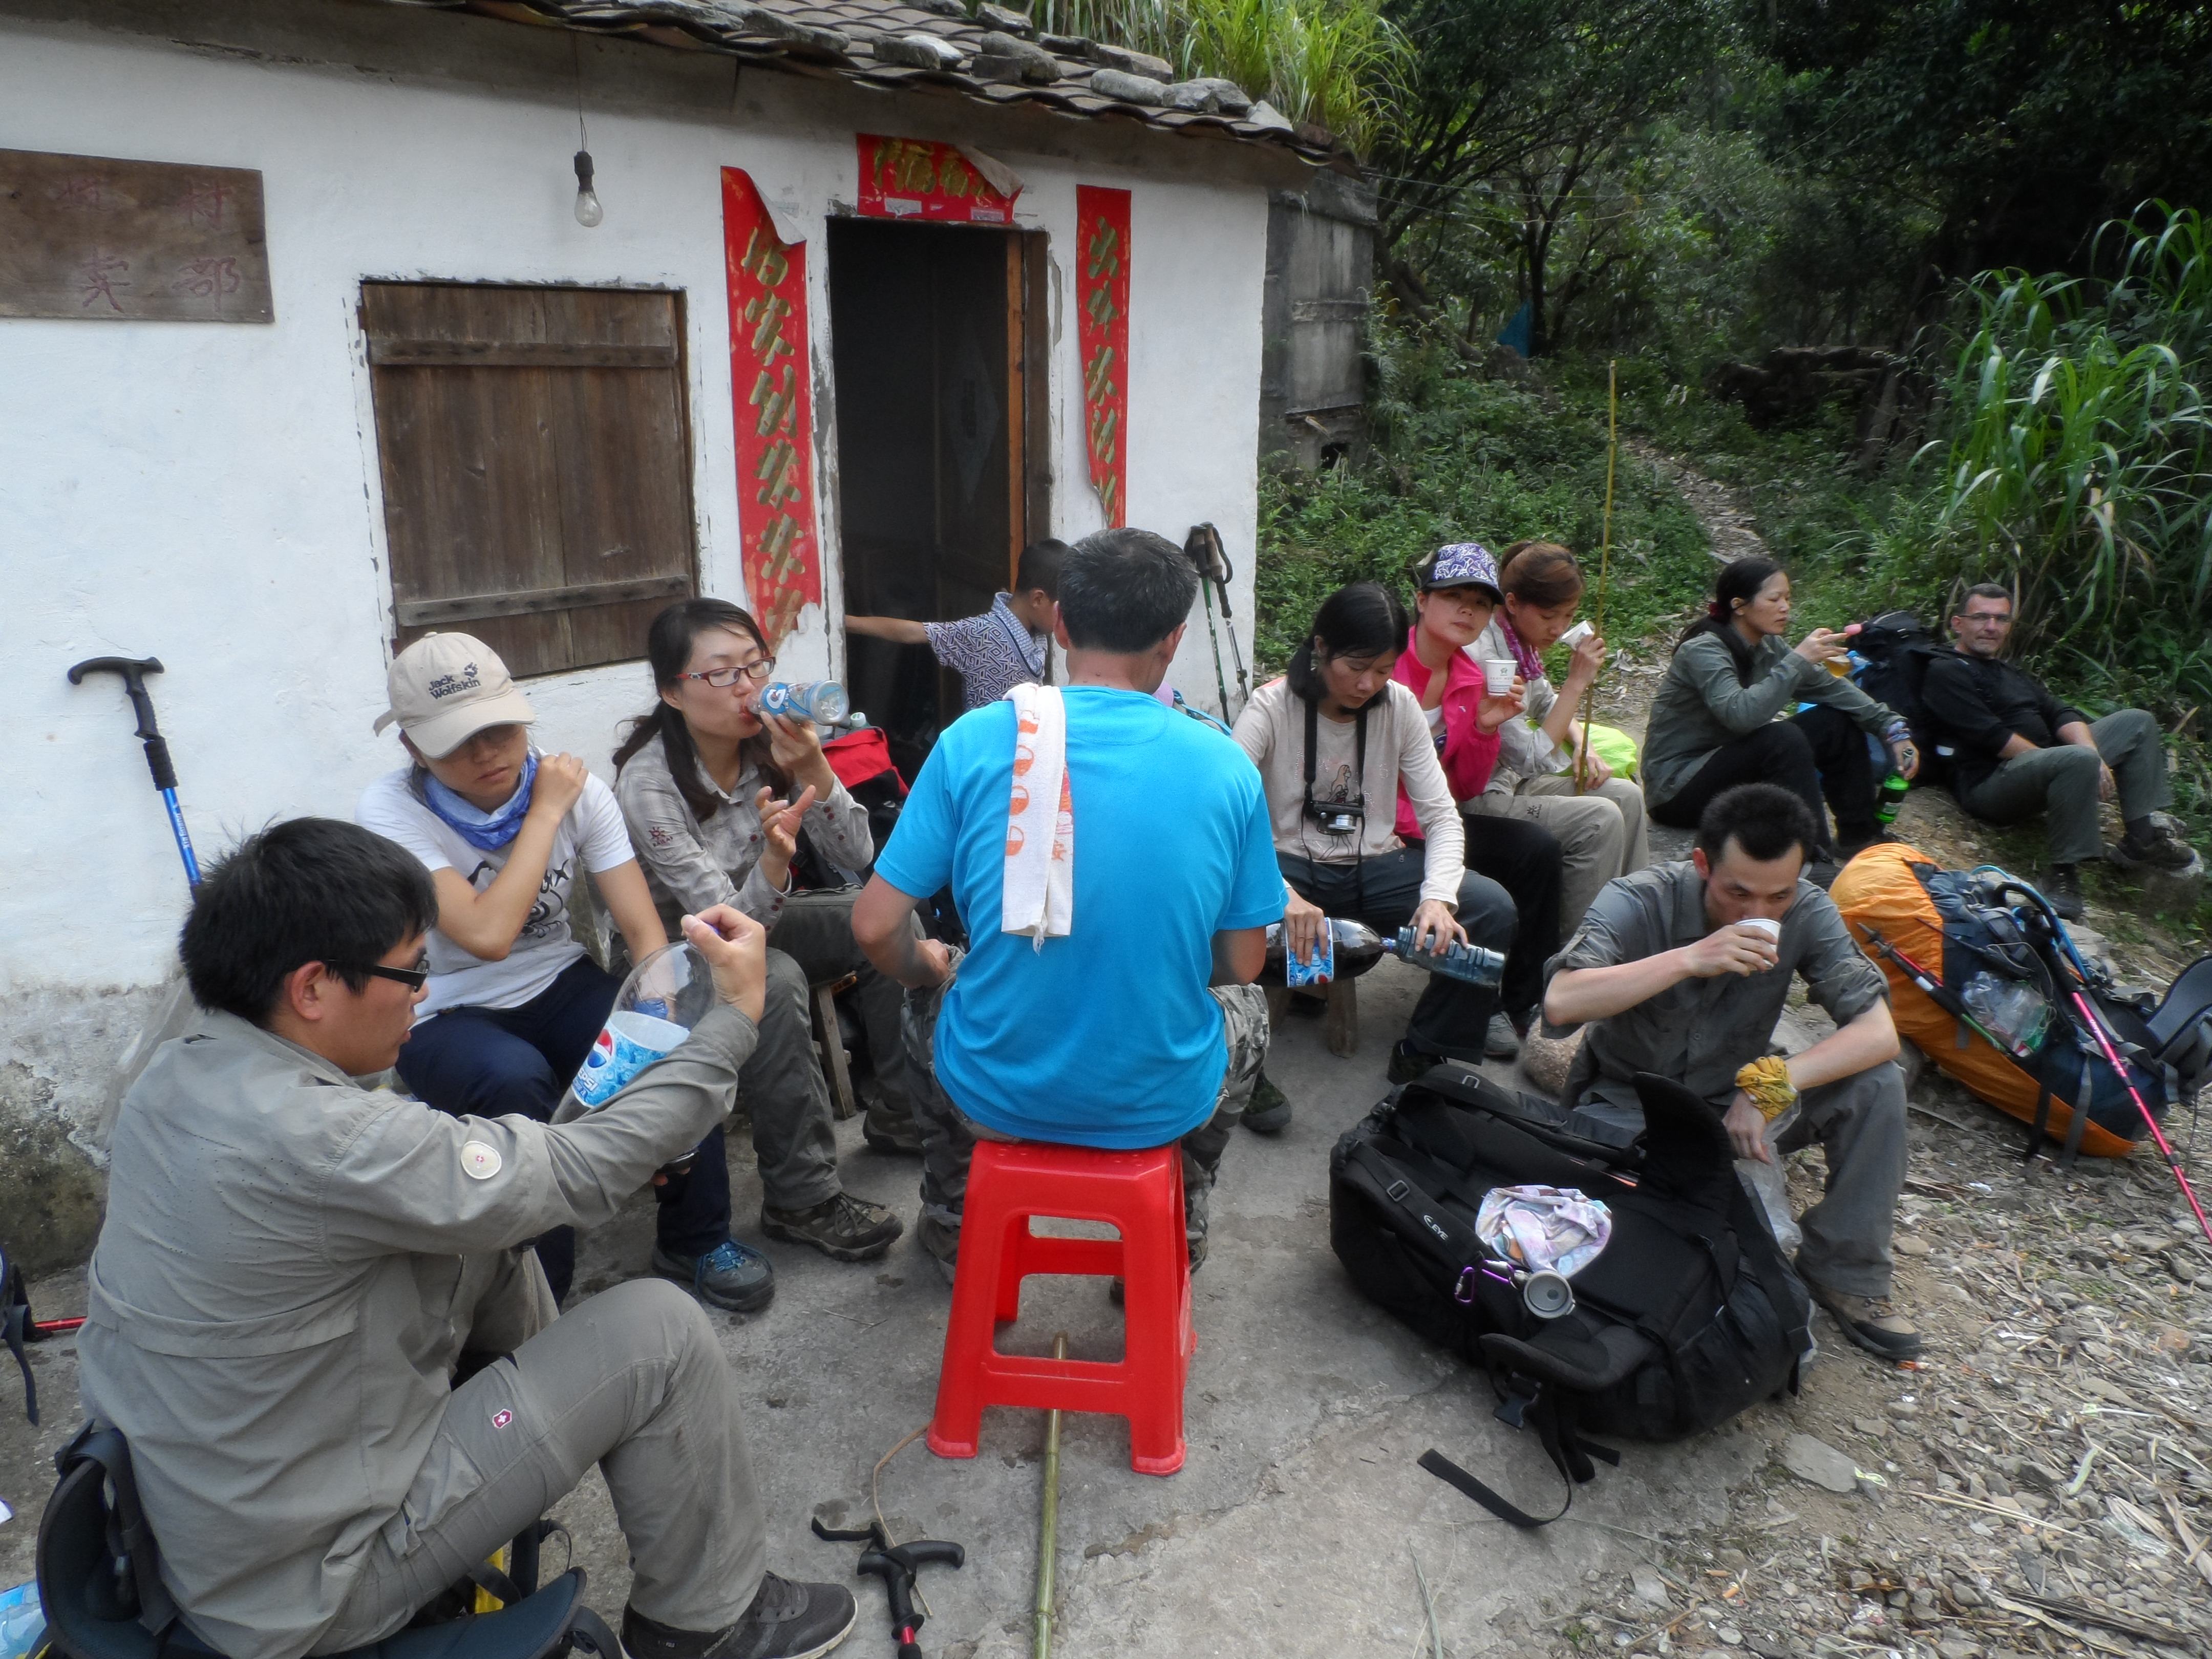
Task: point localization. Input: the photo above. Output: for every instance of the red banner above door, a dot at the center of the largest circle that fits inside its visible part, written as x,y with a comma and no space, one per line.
917,178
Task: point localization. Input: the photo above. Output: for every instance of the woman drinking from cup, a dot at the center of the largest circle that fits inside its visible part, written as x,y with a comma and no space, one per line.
1713,722
1546,773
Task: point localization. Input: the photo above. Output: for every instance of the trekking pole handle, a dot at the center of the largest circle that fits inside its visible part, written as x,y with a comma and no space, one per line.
133,671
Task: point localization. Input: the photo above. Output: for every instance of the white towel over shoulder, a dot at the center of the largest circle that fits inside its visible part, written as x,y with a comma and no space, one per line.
1039,895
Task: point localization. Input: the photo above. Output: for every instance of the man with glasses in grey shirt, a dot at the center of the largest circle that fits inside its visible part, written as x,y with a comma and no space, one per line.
1682,969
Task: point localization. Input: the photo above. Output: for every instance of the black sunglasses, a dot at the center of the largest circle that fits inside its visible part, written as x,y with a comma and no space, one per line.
413,978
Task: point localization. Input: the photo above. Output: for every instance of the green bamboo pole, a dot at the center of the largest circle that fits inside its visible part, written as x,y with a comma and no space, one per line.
1049,1523
1605,551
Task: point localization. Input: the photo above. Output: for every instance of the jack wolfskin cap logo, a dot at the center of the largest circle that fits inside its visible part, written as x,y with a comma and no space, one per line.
447,684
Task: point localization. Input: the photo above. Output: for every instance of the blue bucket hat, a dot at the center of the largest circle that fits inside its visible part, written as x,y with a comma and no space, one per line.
1462,564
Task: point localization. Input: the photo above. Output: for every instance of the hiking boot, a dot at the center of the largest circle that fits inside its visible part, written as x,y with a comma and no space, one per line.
2062,885
1870,1322
1822,872
1268,1111
1500,1041
842,1227
1409,1064
895,1134
2160,849
730,1276
786,1621
940,1244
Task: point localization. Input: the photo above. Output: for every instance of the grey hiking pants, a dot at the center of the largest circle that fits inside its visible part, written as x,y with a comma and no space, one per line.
1859,1122
631,1379
949,1135
1603,833
816,931
781,1089
2061,783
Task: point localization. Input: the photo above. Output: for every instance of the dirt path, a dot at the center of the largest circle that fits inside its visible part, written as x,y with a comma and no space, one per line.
2039,1482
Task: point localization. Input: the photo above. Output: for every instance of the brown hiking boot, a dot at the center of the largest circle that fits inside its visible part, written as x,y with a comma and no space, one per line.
1870,1322
842,1227
2160,849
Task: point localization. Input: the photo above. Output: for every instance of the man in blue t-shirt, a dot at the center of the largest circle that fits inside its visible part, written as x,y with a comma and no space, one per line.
1104,1035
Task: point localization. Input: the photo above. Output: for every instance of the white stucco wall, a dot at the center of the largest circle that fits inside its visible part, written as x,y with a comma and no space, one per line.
209,493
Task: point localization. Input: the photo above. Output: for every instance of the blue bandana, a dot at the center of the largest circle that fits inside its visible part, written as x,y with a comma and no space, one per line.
1462,564
485,831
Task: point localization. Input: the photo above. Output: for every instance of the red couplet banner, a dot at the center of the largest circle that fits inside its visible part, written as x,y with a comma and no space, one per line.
769,385
917,178
1102,297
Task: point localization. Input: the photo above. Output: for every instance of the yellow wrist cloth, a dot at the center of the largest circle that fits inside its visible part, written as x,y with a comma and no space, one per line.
1766,1080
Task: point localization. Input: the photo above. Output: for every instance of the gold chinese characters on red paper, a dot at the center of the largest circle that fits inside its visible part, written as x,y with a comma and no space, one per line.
1102,298
770,387
917,178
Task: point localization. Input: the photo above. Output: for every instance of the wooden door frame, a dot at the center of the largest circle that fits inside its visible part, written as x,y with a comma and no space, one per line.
1028,400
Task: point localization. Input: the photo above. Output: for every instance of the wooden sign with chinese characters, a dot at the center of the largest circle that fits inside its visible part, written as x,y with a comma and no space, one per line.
1101,331
769,377
87,236
914,179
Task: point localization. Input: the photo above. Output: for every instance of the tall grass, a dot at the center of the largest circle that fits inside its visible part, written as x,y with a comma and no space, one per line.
2077,462
1335,64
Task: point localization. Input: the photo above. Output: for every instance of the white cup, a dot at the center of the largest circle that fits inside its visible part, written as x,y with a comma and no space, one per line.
1575,635
1498,677
1765,925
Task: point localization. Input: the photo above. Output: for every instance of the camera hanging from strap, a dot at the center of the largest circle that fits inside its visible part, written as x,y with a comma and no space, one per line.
1338,817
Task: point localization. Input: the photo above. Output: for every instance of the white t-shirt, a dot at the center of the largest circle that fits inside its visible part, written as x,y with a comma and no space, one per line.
546,946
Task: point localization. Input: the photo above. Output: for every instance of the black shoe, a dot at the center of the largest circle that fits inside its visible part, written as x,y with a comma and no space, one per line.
895,1135
1822,873
2161,849
2062,885
842,1227
730,1276
1850,849
786,1621
940,1244
1268,1111
1409,1064
1500,1041
1871,1323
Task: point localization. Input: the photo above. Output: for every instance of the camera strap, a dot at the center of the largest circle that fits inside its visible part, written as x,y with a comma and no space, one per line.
1358,748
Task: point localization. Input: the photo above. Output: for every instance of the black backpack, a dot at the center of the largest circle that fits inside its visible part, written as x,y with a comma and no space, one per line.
1688,1315
1899,647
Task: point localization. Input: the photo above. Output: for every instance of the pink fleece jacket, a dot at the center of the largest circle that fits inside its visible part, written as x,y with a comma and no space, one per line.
1469,754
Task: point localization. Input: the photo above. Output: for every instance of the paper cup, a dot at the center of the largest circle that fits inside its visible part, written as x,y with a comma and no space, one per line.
1765,925
1575,635
627,1043
1498,677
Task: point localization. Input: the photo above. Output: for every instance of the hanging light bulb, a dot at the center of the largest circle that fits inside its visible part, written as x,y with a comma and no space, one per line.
588,211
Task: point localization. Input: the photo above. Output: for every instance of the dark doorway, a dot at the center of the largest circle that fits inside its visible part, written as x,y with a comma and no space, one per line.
940,444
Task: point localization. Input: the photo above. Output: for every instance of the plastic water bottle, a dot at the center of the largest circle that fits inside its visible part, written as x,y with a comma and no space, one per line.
822,702
21,1620
1471,962
1894,789
1348,950
2010,1010
665,996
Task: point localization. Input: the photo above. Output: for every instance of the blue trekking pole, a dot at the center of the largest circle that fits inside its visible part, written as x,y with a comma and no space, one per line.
133,671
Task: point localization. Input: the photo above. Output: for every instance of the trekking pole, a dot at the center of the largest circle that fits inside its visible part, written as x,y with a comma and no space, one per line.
1605,552
2096,1025
1223,573
1049,1523
1199,549
133,671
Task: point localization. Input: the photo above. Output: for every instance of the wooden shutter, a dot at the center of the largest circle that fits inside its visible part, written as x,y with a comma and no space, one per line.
536,457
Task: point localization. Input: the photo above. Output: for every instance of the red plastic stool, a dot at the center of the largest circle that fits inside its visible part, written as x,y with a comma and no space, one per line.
1139,1193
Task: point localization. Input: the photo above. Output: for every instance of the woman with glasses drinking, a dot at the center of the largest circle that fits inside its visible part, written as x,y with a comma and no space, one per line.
718,794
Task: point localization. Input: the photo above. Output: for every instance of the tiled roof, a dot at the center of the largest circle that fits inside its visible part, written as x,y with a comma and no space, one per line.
994,57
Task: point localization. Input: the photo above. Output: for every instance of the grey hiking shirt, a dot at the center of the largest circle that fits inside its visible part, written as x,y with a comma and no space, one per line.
291,1265
1701,1032
691,865
1523,751
1701,706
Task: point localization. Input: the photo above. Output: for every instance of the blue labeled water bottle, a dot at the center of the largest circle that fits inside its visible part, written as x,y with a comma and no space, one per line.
823,702
665,996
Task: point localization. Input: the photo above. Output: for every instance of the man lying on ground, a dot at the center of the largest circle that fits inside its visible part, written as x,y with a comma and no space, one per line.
293,1268
1670,979
2021,752
1081,1012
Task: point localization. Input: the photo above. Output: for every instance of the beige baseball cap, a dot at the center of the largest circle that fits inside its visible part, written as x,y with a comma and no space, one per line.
446,688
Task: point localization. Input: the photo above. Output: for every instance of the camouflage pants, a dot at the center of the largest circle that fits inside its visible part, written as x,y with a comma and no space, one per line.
949,1135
